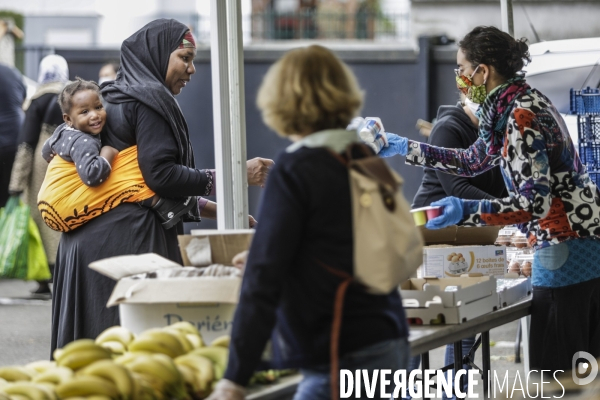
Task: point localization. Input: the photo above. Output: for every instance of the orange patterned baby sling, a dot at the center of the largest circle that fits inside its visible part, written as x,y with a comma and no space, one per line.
67,203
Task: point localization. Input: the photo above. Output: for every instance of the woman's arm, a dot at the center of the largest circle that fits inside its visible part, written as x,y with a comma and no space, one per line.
158,157
449,136
462,162
528,158
27,140
274,247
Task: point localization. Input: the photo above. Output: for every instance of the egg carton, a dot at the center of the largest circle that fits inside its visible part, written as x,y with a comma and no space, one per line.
430,301
512,290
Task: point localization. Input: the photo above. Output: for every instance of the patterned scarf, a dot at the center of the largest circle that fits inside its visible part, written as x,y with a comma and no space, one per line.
494,112
188,41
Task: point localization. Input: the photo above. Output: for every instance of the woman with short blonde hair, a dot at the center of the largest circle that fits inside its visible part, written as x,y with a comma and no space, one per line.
305,218
308,90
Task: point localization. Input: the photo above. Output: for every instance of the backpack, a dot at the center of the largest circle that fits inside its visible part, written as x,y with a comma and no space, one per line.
388,247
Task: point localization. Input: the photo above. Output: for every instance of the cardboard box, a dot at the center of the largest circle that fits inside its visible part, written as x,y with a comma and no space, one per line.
426,302
511,291
474,247
208,303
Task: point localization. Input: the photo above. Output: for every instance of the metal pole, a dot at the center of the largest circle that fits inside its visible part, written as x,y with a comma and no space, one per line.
229,114
506,12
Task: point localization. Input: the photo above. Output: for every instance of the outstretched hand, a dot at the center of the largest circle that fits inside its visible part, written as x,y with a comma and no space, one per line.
452,213
258,171
397,145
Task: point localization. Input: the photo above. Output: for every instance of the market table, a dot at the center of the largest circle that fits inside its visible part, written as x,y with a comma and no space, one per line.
423,339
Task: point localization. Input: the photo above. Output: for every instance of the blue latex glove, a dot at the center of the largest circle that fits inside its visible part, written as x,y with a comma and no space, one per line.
396,145
451,215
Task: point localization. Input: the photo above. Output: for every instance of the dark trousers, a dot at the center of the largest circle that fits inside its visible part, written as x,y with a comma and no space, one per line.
6,162
564,320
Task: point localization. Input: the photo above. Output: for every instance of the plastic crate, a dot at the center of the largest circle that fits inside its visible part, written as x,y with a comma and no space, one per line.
588,128
589,153
595,177
585,101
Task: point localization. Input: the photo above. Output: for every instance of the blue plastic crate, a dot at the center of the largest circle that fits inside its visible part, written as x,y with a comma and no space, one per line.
585,101
589,153
588,128
595,177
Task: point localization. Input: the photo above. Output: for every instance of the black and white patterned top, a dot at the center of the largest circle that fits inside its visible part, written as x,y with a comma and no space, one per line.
80,148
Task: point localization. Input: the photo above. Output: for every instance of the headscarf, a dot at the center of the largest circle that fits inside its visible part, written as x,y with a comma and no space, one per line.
53,68
495,110
144,61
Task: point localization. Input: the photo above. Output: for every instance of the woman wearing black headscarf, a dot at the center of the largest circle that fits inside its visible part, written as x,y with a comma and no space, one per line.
156,64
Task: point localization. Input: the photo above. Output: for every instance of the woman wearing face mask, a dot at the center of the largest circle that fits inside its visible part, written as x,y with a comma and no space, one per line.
551,194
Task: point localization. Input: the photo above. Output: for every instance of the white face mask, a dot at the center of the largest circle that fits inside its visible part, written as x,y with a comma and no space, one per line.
474,107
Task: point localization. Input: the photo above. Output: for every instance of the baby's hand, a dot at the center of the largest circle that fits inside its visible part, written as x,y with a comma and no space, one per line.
109,153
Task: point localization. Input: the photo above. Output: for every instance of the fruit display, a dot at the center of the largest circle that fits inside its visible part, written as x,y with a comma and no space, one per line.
162,363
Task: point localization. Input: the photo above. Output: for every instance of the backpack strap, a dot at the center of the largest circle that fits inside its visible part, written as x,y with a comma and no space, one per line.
336,326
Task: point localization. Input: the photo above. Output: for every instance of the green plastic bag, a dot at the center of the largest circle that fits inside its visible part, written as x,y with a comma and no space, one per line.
37,263
21,253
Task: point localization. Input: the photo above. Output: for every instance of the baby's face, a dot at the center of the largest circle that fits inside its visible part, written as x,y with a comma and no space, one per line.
87,113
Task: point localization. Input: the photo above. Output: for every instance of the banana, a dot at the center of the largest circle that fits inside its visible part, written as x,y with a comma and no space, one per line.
183,340
186,327
76,346
41,366
116,334
115,373
96,397
221,341
144,390
30,390
190,378
195,340
218,355
160,373
203,369
55,376
56,354
130,356
86,385
4,396
15,374
116,348
80,359
158,341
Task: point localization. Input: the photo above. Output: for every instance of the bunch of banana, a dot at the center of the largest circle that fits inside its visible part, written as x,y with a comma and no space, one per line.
158,341
116,339
118,375
217,355
41,366
16,374
190,332
54,376
81,353
29,391
87,385
198,373
160,373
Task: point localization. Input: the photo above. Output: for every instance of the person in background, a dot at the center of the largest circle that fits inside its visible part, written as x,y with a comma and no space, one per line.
108,72
42,117
551,194
456,127
309,96
12,95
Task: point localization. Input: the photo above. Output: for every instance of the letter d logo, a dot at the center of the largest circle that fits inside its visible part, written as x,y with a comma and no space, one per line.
583,367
